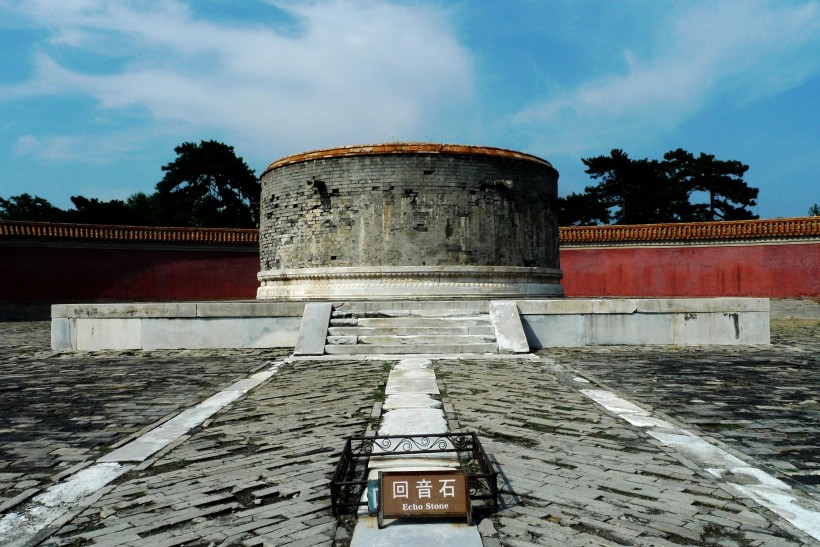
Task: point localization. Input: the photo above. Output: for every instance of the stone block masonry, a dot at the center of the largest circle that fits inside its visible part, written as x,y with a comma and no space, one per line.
443,211
409,210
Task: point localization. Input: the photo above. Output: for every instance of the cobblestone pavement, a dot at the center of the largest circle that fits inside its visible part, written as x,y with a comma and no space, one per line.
762,400
575,475
63,410
257,472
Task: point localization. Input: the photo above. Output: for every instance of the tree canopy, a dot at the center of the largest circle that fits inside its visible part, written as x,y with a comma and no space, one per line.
680,188
207,185
35,209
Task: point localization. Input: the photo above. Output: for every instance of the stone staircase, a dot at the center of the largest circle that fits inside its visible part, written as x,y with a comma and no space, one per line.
410,328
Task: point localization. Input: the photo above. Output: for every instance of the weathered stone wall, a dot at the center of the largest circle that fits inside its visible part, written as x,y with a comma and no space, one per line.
409,210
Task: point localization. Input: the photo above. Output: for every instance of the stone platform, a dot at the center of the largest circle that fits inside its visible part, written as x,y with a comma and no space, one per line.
564,322
257,472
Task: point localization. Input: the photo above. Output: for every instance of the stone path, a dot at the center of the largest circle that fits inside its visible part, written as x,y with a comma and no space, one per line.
763,401
575,475
62,410
257,473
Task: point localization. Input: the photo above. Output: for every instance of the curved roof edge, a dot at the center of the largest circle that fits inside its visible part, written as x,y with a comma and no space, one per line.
404,148
807,228
724,230
13,229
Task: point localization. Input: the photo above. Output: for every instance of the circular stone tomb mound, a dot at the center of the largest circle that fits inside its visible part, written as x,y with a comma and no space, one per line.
409,220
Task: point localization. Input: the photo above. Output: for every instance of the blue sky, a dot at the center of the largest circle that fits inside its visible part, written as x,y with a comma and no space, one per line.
94,95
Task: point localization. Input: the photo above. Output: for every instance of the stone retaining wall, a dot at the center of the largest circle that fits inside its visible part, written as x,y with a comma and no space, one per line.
546,322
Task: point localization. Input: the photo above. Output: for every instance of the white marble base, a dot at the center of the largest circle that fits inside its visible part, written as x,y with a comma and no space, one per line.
651,321
418,282
174,325
546,323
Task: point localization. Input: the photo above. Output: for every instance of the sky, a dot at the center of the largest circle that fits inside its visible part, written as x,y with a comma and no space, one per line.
95,94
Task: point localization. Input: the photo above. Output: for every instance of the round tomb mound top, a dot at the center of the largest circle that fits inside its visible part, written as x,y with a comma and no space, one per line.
402,220
406,148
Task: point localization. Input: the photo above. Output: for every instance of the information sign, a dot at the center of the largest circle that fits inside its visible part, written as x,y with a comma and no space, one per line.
423,494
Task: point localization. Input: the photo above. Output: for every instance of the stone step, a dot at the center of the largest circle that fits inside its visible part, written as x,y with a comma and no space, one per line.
373,349
443,312
407,322
425,339
390,331
363,307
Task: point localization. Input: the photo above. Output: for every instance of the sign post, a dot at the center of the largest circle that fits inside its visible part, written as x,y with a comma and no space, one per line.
423,494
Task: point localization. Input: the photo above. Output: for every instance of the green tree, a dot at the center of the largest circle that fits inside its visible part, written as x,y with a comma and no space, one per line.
649,191
26,207
632,191
583,209
145,208
814,210
208,185
93,211
728,194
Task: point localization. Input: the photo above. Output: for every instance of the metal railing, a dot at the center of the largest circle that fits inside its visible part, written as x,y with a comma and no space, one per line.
349,480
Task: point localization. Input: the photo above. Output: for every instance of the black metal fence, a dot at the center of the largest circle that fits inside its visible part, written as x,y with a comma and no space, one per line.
350,478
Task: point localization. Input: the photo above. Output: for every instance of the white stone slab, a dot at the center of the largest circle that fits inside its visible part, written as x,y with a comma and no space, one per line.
614,305
702,305
410,400
431,462
646,421
546,331
509,333
606,329
100,334
612,402
755,328
411,385
407,364
554,307
63,334
133,310
402,533
249,308
415,372
18,529
313,329
798,508
573,306
726,328
249,332
413,421
158,438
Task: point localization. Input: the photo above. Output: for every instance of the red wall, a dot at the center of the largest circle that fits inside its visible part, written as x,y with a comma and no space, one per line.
78,274
786,270
89,273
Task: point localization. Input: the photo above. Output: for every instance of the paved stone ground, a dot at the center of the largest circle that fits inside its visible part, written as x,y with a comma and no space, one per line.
762,400
576,475
257,473
63,410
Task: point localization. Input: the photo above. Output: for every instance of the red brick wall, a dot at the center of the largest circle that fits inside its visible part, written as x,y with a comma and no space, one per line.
77,274
46,263
784,270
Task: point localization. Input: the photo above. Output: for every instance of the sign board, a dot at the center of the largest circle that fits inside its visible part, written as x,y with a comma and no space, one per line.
423,494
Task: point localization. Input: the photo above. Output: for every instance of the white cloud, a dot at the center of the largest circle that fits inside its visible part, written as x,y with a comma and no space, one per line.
740,50
77,149
355,71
